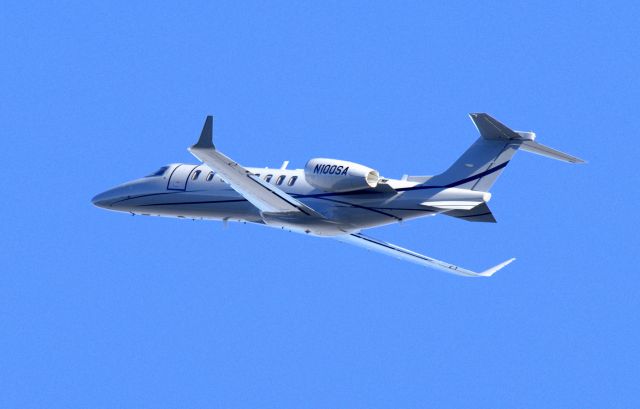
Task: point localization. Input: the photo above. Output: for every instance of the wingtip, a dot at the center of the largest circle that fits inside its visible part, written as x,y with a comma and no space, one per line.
493,270
474,116
206,136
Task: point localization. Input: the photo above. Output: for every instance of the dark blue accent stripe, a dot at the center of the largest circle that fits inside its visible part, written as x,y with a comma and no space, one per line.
475,215
461,181
361,207
405,208
349,193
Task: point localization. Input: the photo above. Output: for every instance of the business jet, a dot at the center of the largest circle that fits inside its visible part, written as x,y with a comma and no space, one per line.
330,197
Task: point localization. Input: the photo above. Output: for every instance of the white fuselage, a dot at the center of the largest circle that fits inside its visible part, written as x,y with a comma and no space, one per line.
196,192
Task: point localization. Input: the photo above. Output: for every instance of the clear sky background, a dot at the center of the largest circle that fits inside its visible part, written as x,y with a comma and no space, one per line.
105,310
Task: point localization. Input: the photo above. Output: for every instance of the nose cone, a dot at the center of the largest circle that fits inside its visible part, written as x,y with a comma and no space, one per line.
122,197
104,199
112,197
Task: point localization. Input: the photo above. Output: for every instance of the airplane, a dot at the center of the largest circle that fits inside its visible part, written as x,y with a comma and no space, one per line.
329,197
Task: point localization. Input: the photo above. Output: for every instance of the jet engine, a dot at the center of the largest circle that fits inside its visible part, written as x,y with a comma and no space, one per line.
334,175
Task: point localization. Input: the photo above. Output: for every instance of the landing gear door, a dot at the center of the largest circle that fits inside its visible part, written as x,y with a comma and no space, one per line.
179,177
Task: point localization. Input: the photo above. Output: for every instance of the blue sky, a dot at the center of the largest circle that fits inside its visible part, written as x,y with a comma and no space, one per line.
104,310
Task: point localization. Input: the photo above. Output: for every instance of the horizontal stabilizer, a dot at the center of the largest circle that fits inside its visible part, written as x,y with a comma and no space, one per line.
492,129
539,149
480,213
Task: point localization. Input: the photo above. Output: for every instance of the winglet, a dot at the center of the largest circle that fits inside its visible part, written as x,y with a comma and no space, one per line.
206,136
492,270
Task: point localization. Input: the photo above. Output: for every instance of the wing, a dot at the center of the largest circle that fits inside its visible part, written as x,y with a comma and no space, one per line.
408,255
264,196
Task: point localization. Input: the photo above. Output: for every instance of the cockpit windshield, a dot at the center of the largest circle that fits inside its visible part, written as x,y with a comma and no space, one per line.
158,172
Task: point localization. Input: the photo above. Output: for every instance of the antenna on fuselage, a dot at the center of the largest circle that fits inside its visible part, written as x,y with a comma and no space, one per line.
284,164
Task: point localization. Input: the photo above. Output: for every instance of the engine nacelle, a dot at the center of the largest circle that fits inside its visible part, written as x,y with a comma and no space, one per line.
334,175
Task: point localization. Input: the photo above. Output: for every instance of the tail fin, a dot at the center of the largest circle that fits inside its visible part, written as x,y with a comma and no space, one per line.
479,167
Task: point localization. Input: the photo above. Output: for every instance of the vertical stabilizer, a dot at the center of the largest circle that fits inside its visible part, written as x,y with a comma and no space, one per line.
479,167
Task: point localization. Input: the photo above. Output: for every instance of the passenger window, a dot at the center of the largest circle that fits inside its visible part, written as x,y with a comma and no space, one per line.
268,178
210,176
280,180
257,175
292,180
196,174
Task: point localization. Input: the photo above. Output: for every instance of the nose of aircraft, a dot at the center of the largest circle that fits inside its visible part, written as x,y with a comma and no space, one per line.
109,198
106,198
117,197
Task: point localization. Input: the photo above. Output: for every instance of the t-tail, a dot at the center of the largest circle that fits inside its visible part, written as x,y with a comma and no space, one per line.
479,167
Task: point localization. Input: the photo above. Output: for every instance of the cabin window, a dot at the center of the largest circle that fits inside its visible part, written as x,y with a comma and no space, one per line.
280,179
268,178
210,176
196,174
292,181
257,175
